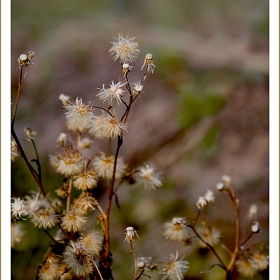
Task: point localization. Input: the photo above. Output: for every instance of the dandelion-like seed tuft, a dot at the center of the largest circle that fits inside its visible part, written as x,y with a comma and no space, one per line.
124,49
147,175
177,230
175,269
78,116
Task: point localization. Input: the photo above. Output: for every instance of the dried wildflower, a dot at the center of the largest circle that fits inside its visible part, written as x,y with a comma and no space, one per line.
253,211
45,217
225,184
149,62
70,162
73,221
29,133
144,263
104,166
24,60
175,269
86,180
220,186
85,202
210,235
40,212
17,233
137,88
78,260
112,127
148,176
14,150
78,116
18,208
255,227
33,203
130,232
209,196
124,49
245,267
226,180
85,143
48,271
115,92
63,191
260,261
177,230
65,99
126,68
61,140
97,127
201,202
92,242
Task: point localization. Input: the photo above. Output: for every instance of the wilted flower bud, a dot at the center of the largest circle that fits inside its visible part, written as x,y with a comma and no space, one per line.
29,133
253,210
126,68
209,196
149,62
220,186
31,54
201,202
65,99
255,227
24,60
137,88
130,232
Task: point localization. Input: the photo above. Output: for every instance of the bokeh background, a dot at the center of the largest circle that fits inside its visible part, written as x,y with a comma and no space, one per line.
204,113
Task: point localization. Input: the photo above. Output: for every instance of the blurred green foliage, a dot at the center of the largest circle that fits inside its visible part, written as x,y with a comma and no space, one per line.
197,105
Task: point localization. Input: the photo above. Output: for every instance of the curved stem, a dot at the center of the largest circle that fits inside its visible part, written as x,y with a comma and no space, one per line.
210,247
103,109
251,234
37,162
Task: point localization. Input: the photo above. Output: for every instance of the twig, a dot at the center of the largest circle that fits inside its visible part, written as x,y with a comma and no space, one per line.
111,192
210,247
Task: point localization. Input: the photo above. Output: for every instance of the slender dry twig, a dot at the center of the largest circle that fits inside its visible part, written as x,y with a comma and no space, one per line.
210,247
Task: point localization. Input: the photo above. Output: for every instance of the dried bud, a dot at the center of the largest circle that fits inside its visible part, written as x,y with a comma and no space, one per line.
149,62
255,227
253,210
221,186
126,68
201,202
24,60
209,196
31,55
29,133
130,232
65,99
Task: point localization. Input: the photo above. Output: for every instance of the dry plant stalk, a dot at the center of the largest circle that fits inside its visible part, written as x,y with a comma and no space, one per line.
79,253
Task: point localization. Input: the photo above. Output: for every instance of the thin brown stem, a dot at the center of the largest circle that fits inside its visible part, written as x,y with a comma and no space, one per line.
37,162
234,201
98,270
210,247
111,192
251,234
69,195
195,221
134,257
17,98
